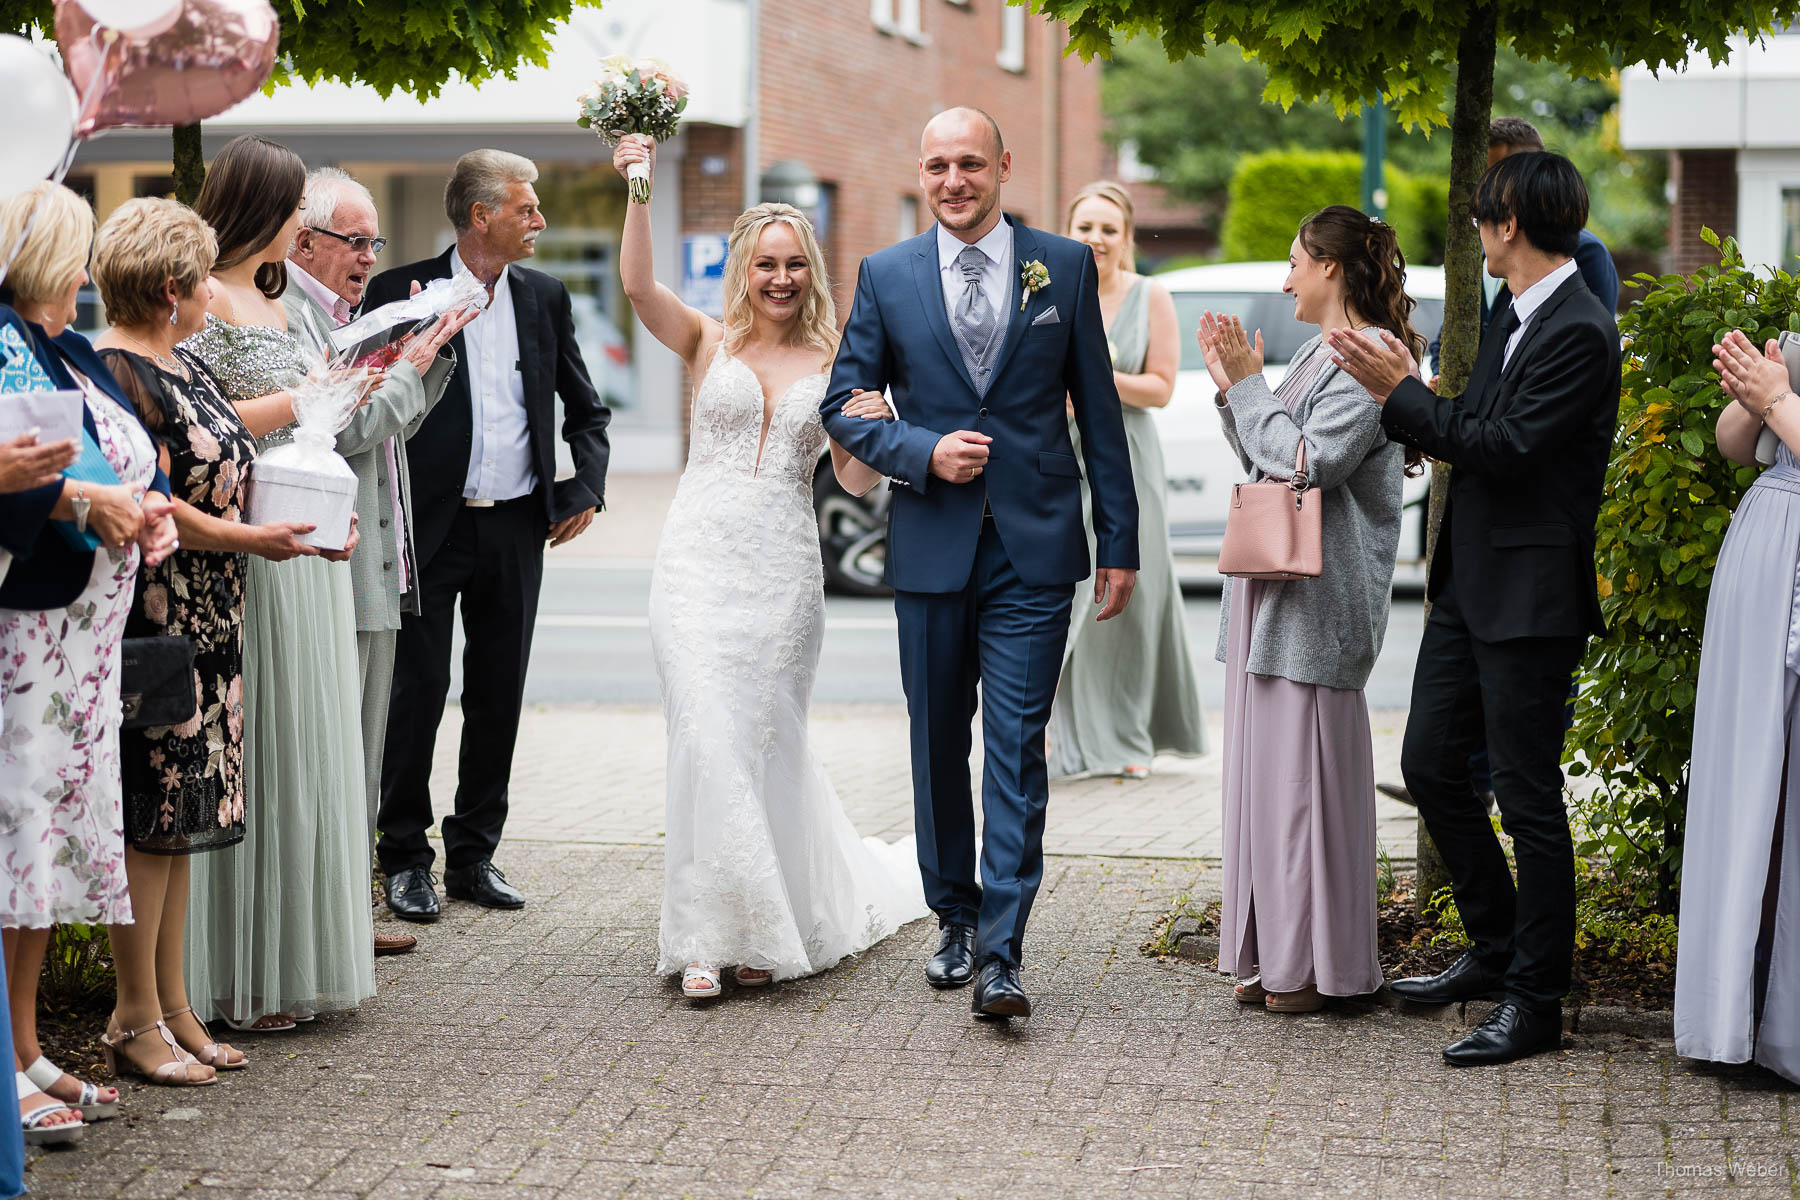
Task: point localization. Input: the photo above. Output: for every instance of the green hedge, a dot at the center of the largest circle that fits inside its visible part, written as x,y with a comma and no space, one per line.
1272,192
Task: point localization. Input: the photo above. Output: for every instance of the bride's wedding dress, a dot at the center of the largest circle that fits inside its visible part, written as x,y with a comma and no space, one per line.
761,866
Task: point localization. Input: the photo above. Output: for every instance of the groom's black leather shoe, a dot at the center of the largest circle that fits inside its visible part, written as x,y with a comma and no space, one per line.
411,896
954,963
997,991
1510,1033
482,884
1464,979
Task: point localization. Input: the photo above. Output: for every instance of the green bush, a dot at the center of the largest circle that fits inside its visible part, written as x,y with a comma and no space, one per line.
1272,192
1669,496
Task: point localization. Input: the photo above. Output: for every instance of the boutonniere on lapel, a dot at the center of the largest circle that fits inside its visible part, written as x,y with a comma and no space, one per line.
1034,277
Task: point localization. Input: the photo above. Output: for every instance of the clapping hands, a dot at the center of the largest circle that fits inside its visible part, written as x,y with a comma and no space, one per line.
1230,355
1751,378
1378,366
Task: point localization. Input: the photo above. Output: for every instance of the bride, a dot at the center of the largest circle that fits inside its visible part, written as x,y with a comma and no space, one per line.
762,870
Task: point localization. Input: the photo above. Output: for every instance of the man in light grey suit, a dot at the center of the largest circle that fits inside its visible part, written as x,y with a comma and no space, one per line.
328,268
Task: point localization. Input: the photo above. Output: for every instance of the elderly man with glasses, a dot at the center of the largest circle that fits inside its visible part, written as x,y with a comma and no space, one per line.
329,264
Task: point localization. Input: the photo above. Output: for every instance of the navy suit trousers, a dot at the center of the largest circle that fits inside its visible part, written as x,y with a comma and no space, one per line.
1003,637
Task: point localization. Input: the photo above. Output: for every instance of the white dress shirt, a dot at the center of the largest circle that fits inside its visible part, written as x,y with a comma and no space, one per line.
324,297
500,466
1527,305
996,276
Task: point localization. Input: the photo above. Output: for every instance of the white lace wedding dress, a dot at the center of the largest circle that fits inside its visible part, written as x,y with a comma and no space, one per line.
761,867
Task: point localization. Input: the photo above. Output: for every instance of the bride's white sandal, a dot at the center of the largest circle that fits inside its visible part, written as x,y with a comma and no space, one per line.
752,976
700,983
45,1074
37,1132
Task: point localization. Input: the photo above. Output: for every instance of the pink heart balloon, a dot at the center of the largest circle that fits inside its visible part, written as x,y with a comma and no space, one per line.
216,53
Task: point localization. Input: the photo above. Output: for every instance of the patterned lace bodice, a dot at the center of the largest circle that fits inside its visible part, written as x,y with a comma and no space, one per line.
728,425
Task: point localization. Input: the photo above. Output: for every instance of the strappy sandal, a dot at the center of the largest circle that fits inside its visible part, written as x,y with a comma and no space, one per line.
169,1074
45,1075
37,1133
217,1055
1250,991
752,977
1306,1000
700,983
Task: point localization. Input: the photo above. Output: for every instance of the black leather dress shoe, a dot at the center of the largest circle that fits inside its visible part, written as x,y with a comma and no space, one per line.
482,884
1510,1033
997,991
954,963
1464,979
411,896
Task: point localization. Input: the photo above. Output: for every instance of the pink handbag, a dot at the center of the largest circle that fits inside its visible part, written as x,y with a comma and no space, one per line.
1274,528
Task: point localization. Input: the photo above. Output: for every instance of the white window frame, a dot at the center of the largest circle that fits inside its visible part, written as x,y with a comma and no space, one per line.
909,218
1011,55
902,18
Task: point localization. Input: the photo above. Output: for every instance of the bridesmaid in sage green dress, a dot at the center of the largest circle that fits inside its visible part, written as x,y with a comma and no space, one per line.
280,929
1128,691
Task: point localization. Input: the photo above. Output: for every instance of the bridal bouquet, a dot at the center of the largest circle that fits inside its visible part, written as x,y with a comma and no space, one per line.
640,96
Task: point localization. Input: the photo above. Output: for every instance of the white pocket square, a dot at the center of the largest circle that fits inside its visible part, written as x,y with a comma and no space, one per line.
1047,317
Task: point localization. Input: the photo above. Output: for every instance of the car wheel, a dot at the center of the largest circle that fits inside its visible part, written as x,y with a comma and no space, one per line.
852,535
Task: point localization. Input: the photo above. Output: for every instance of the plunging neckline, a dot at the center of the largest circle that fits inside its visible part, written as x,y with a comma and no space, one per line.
770,408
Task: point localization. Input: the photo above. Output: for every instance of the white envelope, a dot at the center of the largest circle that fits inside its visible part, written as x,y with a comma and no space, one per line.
55,415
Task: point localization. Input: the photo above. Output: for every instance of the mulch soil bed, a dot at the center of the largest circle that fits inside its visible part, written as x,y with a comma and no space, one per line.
1406,948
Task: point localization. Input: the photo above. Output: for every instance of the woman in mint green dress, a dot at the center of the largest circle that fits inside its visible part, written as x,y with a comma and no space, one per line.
280,930
1127,691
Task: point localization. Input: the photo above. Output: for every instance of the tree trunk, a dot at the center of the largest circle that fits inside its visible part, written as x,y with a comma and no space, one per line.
189,163
1462,297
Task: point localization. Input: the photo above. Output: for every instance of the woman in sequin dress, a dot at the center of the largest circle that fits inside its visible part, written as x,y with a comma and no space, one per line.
280,929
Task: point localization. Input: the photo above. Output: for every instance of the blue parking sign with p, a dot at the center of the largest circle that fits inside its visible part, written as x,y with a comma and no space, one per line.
703,271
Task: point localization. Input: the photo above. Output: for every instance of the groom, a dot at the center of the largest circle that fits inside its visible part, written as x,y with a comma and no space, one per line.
978,329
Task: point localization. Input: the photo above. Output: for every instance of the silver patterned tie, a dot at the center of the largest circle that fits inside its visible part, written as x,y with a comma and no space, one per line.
974,315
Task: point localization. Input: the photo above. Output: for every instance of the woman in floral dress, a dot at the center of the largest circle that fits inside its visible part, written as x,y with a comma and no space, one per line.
62,615
184,784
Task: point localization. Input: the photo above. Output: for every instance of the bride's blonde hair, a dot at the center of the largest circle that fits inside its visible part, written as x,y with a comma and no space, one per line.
818,315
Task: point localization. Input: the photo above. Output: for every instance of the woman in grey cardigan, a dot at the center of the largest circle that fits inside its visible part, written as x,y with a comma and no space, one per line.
1298,918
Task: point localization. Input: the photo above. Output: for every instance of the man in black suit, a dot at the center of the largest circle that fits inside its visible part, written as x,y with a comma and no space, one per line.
485,498
1513,596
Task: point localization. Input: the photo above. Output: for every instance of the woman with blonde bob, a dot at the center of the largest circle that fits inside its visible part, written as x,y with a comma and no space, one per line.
762,870
63,608
184,784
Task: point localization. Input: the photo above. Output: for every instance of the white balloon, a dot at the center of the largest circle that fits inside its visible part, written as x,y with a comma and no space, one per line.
133,18
40,116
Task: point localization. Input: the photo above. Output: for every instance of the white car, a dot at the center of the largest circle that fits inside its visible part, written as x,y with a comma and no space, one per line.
1200,464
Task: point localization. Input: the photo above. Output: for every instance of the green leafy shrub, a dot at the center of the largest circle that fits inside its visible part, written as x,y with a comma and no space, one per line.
1669,497
78,966
1272,192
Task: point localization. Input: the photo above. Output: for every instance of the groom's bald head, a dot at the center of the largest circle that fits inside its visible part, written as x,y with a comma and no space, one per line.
959,123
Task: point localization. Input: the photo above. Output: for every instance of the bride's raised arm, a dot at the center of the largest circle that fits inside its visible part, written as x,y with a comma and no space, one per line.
674,324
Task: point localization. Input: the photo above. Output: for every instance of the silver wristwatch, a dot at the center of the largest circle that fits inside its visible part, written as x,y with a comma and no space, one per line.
81,504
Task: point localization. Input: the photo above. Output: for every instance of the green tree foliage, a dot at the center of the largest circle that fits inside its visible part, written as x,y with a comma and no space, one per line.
1192,119
1274,191
415,46
1669,497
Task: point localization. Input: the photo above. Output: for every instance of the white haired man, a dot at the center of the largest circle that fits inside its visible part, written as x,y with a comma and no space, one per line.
329,263
483,472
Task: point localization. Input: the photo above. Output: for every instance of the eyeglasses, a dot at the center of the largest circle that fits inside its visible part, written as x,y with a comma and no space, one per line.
357,244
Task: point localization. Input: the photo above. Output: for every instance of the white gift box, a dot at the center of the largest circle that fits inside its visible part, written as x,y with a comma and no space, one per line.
55,415
316,495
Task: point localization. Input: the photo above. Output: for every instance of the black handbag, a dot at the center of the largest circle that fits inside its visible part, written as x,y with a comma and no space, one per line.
156,681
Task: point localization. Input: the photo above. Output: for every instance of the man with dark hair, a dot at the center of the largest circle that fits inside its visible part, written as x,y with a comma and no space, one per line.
1513,135
1513,596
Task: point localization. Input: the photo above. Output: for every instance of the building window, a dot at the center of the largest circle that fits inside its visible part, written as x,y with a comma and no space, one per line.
900,17
1790,227
1012,39
909,219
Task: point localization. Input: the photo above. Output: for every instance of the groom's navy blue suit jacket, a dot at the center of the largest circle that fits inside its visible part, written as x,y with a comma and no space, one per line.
899,339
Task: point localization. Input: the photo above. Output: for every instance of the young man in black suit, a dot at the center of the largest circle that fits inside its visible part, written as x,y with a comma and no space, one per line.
1513,596
485,498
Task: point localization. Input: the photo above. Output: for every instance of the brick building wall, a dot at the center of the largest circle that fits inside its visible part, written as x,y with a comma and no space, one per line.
1705,184
712,178
848,100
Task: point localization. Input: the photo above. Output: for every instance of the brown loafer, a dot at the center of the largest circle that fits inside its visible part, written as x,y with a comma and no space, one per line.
394,943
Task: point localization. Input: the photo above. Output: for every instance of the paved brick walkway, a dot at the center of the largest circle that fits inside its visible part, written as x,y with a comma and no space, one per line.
595,774
532,1056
